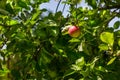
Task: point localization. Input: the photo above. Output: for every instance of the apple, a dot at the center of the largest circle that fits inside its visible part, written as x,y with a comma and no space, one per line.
74,31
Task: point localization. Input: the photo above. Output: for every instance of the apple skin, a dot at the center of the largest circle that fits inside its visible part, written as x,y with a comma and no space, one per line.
74,31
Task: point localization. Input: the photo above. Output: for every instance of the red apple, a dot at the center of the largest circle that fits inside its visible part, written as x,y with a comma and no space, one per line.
74,31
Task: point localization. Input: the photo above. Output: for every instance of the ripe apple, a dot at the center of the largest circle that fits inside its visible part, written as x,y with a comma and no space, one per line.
74,31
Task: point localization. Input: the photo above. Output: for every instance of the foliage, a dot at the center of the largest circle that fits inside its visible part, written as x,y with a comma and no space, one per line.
33,46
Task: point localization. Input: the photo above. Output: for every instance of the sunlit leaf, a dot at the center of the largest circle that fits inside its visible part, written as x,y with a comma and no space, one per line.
74,40
103,47
80,61
36,15
12,22
101,68
119,42
111,61
107,37
99,78
78,64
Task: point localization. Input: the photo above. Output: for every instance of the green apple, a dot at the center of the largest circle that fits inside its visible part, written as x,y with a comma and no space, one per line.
74,31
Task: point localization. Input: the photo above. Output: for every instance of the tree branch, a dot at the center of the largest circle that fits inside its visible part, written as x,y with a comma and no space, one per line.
110,7
63,7
58,5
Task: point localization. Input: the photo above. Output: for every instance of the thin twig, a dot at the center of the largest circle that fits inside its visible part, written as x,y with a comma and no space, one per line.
58,5
63,7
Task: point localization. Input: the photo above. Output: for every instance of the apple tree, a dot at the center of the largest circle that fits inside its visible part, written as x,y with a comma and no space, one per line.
37,44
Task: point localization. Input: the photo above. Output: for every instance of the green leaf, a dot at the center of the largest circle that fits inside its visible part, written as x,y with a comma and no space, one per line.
102,69
4,71
4,12
111,61
80,61
116,24
78,64
92,3
46,56
22,4
99,78
86,72
107,37
58,14
18,36
119,42
12,22
54,31
103,47
40,33
118,53
68,73
74,40
9,8
52,73
75,1
93,23
36,15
